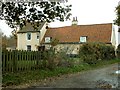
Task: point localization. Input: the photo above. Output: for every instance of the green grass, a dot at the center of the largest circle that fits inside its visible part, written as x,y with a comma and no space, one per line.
36,75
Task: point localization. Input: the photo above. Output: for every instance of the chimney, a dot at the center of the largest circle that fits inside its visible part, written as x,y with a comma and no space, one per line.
74,21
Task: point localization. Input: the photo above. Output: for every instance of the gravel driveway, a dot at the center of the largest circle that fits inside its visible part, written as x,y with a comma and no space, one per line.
86,79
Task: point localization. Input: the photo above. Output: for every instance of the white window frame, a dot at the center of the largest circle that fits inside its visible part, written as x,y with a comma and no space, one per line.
30,36
83,39
47,39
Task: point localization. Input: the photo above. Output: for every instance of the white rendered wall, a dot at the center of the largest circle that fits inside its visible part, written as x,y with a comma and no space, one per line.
22,41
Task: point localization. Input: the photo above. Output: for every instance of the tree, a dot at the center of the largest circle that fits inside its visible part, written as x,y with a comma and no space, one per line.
19,13
11,41
7,41
4,42
54,42
117,21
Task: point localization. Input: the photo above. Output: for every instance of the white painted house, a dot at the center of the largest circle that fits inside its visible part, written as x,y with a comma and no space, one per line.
115,38
69,36
28,38
118,36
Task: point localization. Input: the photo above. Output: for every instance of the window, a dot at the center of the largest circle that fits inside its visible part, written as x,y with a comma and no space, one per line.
47,39
29,47
119,30
28,36
38,35
83,39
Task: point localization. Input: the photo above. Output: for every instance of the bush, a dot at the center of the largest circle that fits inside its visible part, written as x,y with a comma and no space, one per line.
118,51
49,59
52,59
64,59
93,52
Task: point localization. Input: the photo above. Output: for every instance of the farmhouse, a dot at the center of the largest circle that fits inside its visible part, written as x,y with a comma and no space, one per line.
70,37
29,39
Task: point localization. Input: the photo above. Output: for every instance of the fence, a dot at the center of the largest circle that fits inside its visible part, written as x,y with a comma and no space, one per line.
13,61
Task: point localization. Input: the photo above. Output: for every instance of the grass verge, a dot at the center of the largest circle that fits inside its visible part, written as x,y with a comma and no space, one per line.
37,75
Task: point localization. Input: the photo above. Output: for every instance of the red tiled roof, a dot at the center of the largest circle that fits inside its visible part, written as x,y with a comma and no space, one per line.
94,33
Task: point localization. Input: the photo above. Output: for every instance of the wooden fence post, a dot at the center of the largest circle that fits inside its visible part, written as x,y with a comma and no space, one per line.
3,61
14,61
37,59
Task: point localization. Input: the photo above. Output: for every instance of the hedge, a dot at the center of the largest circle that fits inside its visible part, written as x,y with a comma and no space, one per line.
93,52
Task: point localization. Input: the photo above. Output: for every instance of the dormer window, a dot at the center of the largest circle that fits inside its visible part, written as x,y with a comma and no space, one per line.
48,39
83,39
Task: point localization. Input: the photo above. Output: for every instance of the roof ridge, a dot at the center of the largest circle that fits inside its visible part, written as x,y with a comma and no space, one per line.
95,24
80,25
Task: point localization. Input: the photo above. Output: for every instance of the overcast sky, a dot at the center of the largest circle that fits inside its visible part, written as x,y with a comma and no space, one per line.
87,12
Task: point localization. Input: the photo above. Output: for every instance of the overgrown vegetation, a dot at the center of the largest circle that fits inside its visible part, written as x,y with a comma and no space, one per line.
118,51
19,13
117,20
52,59
8,41
38,75
91,56
93,52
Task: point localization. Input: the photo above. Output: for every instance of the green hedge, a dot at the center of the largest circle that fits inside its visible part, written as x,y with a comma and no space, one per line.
93,52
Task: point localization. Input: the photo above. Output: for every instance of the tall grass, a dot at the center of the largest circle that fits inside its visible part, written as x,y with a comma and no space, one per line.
37,75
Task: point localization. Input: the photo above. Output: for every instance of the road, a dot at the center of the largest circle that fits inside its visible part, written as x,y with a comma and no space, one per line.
104,76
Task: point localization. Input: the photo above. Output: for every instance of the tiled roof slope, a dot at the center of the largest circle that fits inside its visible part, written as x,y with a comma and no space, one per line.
29,28
94,33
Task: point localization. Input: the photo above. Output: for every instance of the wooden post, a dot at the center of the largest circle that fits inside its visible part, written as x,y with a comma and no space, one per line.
14,61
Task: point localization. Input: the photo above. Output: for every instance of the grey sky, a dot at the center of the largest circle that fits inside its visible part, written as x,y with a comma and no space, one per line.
87,12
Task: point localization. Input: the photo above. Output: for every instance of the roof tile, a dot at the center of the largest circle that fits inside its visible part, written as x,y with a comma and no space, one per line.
94,33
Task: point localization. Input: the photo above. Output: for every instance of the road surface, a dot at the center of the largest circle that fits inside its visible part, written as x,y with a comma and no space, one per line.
104,76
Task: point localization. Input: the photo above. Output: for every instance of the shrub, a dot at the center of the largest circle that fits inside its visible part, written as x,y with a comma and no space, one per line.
118,51
52,59
48,59
64,59
93,52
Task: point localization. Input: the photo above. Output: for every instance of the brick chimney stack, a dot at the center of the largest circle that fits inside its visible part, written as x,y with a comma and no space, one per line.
74,21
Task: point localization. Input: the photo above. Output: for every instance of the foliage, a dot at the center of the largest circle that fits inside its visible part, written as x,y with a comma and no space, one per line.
64,60
54,42
93,52
118,51
53,59
39,75
49,59
17,13
12,41
4,42
8,41
118,48
117,21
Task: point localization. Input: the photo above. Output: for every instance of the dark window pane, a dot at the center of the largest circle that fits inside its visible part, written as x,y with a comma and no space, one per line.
29,47
28,36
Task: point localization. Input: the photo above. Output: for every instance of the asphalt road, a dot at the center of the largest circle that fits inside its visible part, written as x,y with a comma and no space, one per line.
88,79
